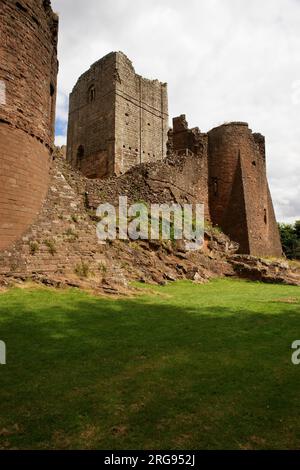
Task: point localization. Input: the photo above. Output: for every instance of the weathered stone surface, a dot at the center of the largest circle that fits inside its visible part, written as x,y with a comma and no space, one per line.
118,124
265,270
61,248
239,196
117,119
28,70
233,183
224,169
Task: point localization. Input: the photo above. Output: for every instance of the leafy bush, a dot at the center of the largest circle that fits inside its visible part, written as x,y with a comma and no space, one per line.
290,239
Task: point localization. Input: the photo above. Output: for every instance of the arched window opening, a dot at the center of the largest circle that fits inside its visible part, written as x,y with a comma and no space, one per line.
52,105
215,186
80,155
92,94
21,7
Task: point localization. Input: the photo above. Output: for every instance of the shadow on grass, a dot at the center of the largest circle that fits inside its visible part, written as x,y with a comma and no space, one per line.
140,373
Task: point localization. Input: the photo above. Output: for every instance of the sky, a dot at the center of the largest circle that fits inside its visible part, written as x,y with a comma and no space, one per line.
223,60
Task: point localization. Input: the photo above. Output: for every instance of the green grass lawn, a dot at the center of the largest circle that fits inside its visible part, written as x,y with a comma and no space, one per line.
182,366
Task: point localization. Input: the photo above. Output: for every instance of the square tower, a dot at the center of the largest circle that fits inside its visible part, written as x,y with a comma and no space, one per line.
117,119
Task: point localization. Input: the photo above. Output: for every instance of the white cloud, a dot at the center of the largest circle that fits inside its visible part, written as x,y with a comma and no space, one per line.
60,140
223,60
62,103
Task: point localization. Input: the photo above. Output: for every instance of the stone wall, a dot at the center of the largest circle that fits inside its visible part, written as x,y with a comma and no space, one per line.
91,128
28,71
61,247
179,178
141,117
191,145
239,196
233,184
117,119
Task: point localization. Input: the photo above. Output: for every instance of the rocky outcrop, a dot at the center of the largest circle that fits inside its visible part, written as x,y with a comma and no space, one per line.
61,248
258,269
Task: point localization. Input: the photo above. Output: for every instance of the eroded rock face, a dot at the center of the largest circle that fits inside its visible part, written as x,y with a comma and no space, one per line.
61,248
258,269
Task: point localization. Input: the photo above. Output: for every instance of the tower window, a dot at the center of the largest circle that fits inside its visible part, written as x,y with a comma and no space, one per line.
52,105
92,94
215,186
80,155
265,216
21,7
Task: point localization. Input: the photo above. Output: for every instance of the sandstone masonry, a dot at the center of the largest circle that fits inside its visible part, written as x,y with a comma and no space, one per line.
118,137
233,182
28,71
117,119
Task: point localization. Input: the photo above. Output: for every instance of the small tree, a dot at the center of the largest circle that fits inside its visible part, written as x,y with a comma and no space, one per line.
290,239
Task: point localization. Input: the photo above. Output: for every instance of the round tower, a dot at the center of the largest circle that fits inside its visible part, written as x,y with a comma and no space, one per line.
225,144
28,74
240,201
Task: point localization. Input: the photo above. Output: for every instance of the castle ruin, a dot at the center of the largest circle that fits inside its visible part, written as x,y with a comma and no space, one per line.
28,71
235,182
117,119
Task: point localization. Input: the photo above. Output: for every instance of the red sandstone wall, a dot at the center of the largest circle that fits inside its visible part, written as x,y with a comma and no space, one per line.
240,201
28,68
193,174
23,182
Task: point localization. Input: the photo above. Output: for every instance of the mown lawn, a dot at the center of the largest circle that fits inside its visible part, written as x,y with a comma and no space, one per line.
182,366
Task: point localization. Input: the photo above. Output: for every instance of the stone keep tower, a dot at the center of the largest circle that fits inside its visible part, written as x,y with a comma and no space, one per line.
239,197
117,119
28,71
